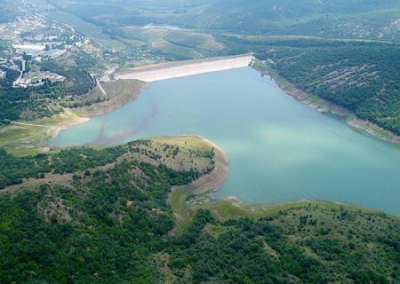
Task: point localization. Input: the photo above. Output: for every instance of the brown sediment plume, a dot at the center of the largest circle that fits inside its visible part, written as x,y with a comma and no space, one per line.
103,139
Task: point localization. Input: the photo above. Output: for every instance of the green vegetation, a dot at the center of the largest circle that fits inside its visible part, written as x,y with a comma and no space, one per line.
118,93
362,79
339,19
173,51
17,104
102,216
130,213
88,29
119,215
22,139
360,76
79,81
173,44
37,102
342,52
68,161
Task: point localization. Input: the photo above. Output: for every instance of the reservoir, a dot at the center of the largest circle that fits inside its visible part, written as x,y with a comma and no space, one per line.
279,149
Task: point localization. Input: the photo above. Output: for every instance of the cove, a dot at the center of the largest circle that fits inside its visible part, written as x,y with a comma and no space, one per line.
279,149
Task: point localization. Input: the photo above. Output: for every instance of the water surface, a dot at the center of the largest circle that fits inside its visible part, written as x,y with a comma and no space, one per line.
279,149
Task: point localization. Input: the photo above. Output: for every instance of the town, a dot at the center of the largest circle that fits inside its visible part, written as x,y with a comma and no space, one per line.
27,42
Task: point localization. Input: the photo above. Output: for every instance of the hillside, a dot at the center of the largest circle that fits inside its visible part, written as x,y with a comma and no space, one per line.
340,19
144,212
343,52
359,76
363,79
104,216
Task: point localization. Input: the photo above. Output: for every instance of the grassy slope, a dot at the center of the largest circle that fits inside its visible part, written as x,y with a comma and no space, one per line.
118,94
174,51
174,44
29,138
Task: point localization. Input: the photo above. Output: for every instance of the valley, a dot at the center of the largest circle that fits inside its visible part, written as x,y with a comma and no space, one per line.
205,141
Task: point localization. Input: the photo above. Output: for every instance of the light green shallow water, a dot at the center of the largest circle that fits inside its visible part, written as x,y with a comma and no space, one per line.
279,149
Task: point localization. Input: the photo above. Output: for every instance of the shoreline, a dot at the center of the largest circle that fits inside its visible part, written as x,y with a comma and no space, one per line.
53,131
187,199
159,72
323,106
214,180
156,72
72,117
26,138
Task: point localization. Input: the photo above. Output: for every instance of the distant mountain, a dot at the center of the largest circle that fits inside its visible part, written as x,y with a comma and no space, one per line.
339,18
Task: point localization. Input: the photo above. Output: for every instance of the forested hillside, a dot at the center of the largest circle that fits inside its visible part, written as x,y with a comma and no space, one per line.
349,19
363,79
111,222
339,18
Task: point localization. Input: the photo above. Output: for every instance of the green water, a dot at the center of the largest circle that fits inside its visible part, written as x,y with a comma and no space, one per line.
279,149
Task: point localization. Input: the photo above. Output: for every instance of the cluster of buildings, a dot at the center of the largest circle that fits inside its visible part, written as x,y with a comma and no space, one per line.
38,78
32,39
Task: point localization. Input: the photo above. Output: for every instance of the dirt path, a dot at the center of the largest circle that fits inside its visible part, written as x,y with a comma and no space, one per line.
101,87
29,124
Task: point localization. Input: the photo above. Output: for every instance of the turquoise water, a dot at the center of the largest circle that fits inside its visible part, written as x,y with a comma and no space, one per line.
279,149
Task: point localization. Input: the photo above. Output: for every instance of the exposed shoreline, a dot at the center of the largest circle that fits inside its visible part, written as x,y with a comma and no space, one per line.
187,199
149,74
178,69
324,106
159,72
218,176
154,72
53,131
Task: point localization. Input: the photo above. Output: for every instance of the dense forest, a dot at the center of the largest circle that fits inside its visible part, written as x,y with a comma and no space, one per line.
113,224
